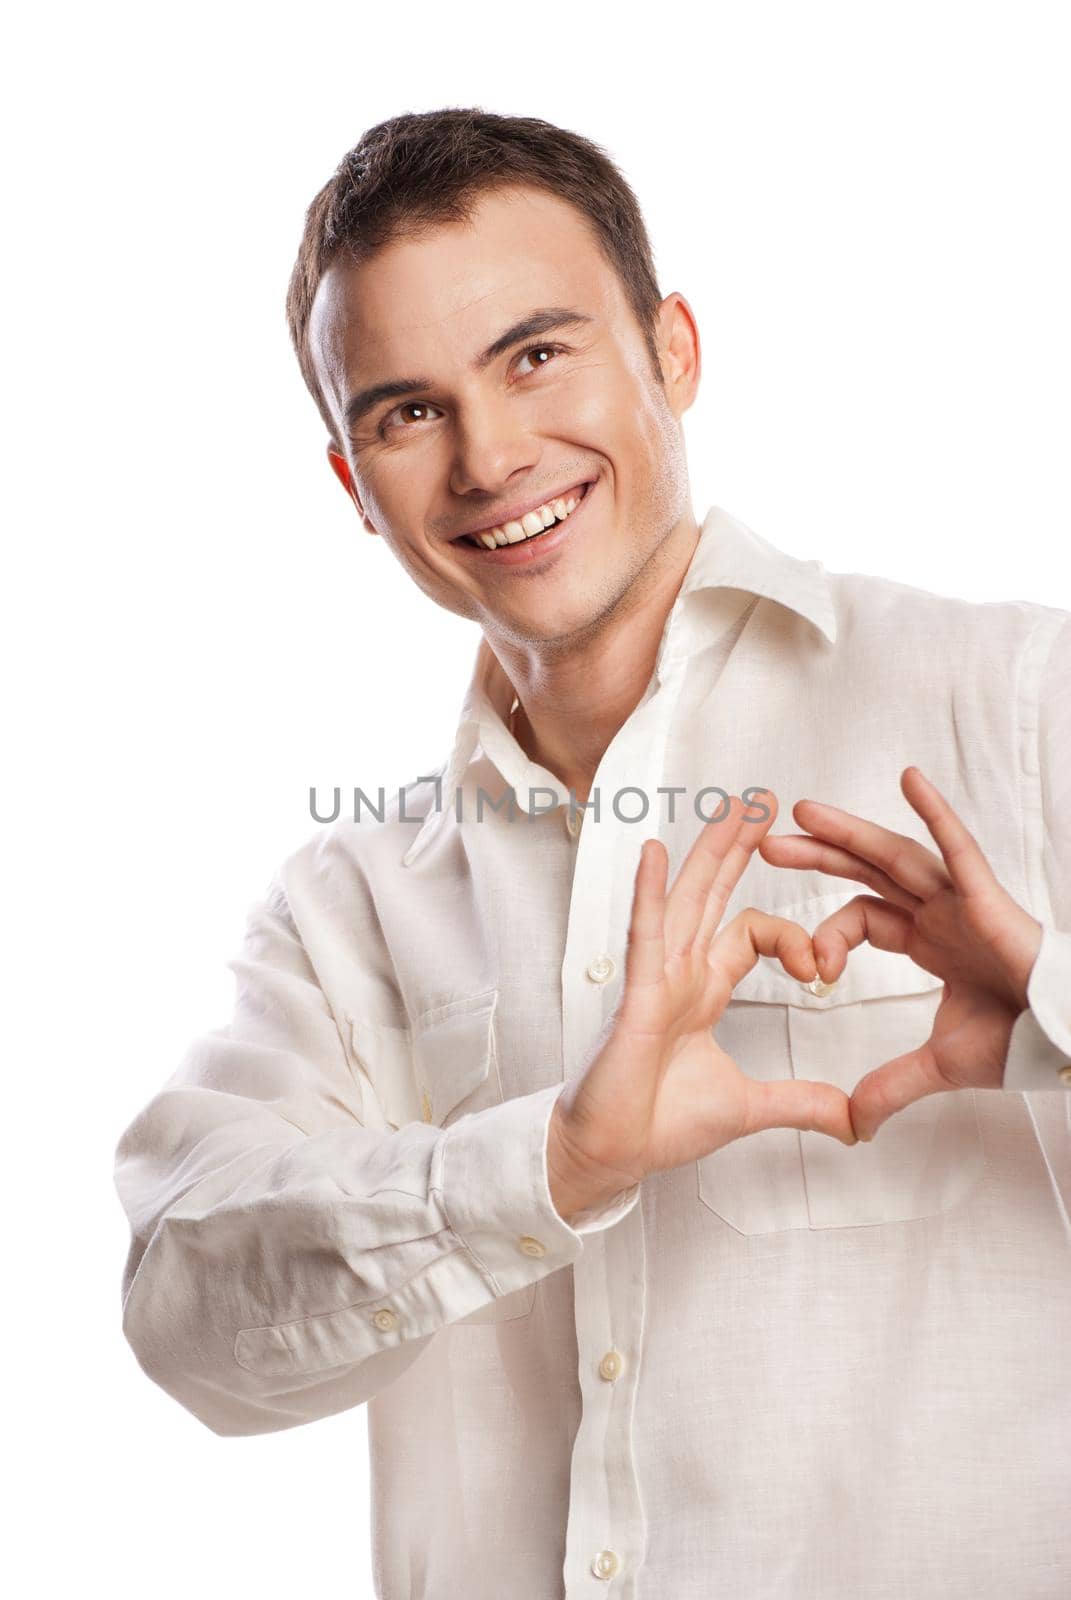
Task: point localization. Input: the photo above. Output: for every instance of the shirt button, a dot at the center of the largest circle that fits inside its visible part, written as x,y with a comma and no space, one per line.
1064,1074
385,1320
601,969
819,987
573,820
610,1366
605,1564
532,1247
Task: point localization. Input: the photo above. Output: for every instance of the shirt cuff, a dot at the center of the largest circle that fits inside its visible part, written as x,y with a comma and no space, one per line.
496,1193
1039,1051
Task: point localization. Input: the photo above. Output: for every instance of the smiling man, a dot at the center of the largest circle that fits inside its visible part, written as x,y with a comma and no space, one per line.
493,370
689,1222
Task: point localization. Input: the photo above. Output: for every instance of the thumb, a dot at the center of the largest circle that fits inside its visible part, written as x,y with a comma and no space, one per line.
799,1103
889,1088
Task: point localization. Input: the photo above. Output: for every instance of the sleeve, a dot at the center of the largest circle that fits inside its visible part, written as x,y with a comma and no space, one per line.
287,1262
1039,1051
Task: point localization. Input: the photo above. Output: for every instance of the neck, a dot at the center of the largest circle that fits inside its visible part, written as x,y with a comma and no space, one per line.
574,700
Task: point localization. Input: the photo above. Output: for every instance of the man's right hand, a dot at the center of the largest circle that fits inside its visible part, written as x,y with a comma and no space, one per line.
660,1092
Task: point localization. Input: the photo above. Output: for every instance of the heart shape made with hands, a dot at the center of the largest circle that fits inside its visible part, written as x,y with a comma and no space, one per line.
655,1092
948,912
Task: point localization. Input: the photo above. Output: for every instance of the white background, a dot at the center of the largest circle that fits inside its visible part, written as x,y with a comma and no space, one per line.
866,206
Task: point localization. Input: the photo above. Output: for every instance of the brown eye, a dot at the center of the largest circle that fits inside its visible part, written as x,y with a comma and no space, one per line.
402,415
550,351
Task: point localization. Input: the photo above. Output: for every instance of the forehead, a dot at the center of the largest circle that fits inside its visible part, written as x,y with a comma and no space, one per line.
438,298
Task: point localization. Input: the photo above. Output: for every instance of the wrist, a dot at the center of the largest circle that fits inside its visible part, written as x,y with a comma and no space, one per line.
576,1183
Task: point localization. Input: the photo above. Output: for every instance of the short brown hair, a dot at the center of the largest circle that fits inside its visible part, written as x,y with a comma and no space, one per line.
428,167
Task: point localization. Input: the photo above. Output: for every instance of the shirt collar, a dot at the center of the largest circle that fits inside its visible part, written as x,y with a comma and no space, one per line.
728,555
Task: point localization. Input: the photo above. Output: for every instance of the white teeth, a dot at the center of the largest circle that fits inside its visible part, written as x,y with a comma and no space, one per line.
531,523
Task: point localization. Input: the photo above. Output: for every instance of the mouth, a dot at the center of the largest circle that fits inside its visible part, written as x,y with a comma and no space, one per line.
538,532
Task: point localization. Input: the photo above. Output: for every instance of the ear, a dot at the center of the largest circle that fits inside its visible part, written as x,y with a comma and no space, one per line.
679,349
341,468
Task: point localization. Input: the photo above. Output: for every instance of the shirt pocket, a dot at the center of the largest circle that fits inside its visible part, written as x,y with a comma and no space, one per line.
441,1067
435,1069
923,1161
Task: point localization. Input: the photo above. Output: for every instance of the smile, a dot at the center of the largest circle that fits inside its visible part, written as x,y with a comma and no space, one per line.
542,528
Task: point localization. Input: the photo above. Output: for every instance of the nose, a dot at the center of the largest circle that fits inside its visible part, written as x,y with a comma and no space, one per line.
492,444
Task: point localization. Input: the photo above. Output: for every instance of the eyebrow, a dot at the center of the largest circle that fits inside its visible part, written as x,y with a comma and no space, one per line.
546,320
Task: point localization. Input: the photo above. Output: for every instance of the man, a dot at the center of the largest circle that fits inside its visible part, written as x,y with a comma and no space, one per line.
690,1222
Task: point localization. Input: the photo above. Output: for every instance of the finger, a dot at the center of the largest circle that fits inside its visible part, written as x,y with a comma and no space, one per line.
704,869
747,841
862,919
967,865
645,958
799,1103
903,859
752,934
892,1087
802,851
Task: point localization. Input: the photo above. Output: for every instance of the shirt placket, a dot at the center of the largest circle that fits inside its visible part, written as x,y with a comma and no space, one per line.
606,1536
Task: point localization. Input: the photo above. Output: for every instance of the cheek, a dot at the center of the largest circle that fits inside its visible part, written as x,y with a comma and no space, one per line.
395,489
638,432
632,405
590,404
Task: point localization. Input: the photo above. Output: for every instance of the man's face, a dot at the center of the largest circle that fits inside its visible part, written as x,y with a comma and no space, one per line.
478,437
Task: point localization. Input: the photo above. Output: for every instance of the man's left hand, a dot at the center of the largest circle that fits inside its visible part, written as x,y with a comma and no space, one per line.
948,913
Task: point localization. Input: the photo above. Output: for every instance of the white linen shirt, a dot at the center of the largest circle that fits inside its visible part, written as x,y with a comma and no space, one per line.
791,1368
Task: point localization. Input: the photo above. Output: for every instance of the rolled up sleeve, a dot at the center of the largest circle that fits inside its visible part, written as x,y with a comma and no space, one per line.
1039,1052
286,1260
